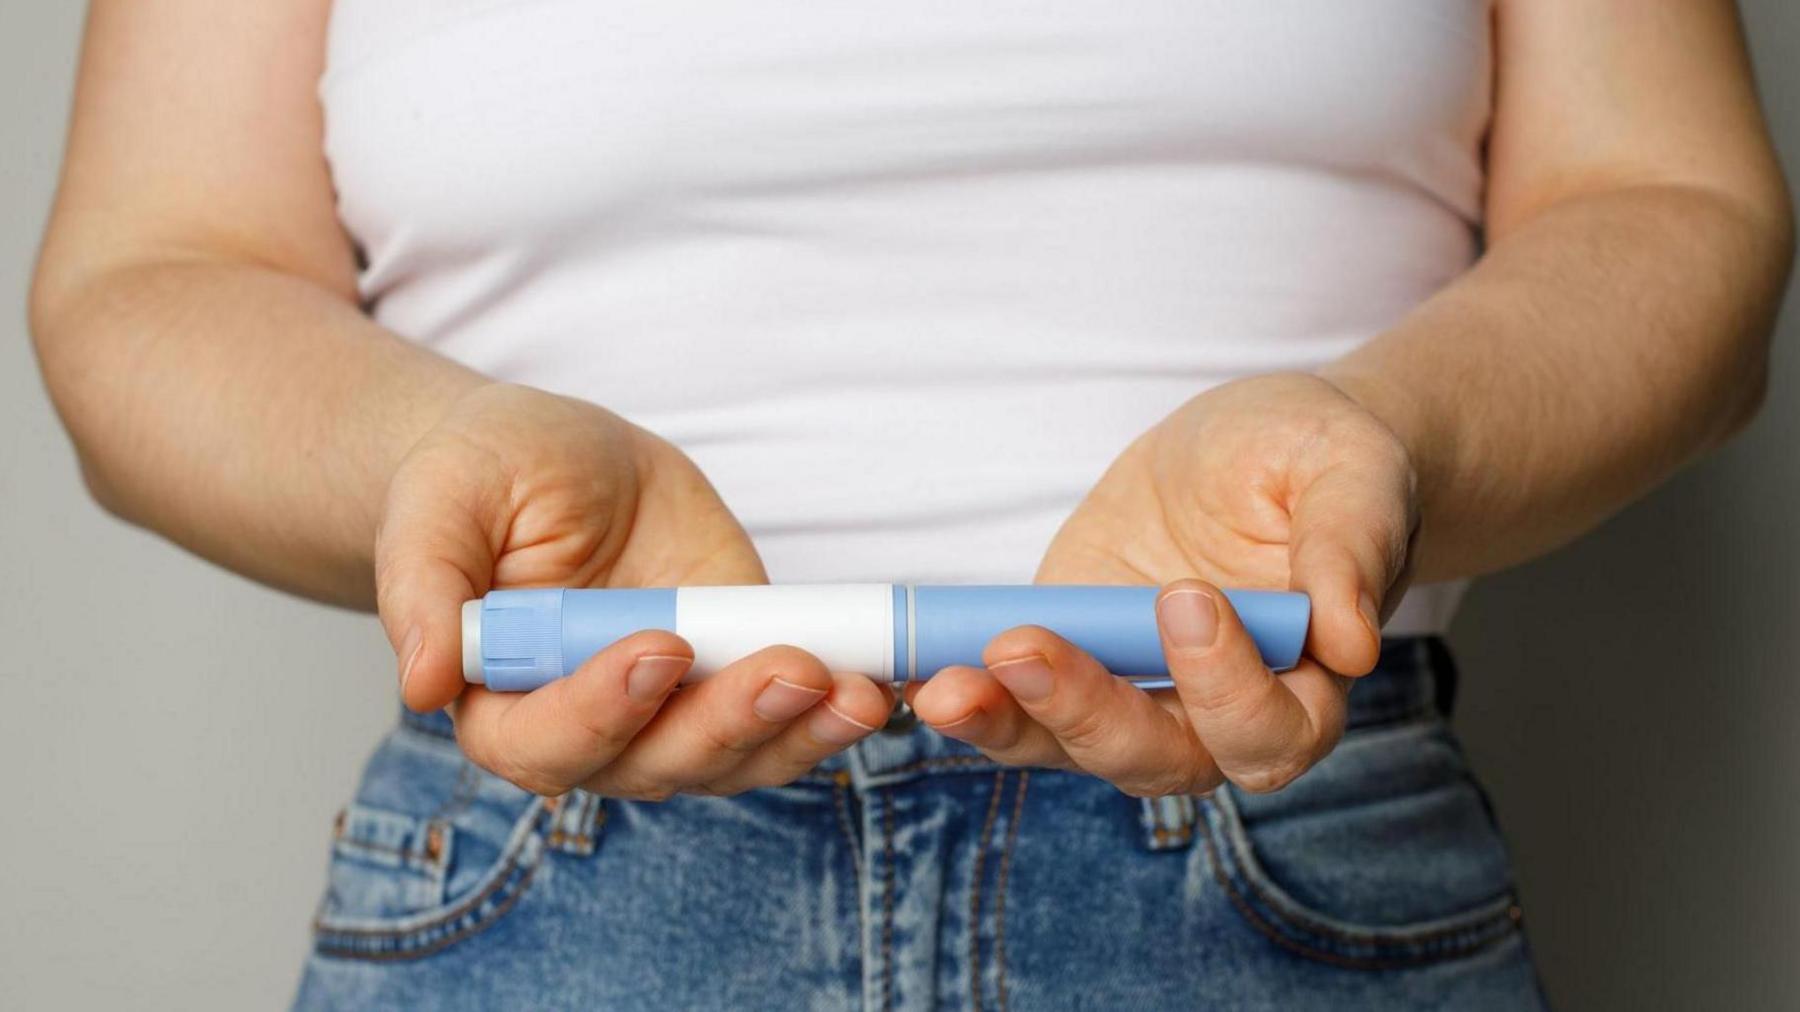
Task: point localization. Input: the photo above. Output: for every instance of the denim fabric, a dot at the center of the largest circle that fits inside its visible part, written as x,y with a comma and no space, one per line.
911,872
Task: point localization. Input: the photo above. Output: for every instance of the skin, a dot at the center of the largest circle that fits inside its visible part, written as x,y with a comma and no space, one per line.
1640,237
203,341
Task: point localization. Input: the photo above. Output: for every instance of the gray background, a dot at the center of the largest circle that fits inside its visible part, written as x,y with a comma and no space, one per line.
176,740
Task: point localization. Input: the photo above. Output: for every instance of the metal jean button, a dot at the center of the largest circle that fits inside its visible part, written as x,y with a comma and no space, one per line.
901,719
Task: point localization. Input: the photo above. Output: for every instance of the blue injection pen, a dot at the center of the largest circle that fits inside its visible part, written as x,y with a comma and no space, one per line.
517,640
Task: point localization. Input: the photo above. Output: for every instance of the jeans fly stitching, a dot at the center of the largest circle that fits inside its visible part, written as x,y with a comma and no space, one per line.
1006,853
979,869
841,798
889,876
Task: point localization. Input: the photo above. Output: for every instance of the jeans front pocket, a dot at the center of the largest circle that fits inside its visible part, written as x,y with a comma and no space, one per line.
1383,856
392,862
434,850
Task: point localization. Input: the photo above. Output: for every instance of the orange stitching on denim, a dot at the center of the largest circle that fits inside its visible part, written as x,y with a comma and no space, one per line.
586,838
422,857
518,891
981,848
841,804
460,909
589,838
840,796
1006,853
1164,834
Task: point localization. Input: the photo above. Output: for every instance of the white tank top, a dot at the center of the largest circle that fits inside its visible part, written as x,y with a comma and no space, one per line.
903,278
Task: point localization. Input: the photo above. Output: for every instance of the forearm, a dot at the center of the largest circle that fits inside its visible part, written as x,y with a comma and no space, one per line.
1594,350
246,414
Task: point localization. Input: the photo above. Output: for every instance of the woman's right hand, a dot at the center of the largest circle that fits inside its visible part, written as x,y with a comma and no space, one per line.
515,487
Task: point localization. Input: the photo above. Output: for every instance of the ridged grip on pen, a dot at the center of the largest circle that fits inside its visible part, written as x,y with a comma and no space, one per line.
532,637
521,638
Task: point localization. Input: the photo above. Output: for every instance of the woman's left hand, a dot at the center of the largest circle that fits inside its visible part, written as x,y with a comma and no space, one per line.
1279,481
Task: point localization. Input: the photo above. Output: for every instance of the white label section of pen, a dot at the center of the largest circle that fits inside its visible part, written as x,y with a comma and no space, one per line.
850,626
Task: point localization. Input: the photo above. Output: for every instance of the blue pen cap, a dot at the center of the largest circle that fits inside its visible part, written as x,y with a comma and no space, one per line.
512,639
518,640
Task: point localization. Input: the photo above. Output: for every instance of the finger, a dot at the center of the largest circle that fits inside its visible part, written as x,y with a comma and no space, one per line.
969,705
1108,726
1349,537
1262,730
853,710
709,729
557,736
432,553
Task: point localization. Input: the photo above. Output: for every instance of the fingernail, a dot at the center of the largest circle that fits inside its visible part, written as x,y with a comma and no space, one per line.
1028,678
783,700
835,727
409,651
1190,617
653,676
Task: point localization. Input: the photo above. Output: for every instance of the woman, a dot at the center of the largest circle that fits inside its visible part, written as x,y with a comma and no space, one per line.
389,304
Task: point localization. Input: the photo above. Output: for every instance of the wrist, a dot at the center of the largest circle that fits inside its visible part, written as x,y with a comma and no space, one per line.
1401,410
419,393
1426,440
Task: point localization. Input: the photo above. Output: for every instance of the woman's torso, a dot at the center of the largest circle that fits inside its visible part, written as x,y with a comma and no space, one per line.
903,279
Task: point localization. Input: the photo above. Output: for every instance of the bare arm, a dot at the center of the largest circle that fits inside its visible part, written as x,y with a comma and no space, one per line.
195,306
196,317
1617,326
1641,238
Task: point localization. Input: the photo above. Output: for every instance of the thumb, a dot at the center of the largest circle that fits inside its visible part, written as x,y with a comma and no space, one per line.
720,553
1349,535
682,533
736,565
431,555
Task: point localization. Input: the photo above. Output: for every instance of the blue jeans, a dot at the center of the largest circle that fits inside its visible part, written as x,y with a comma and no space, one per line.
911,872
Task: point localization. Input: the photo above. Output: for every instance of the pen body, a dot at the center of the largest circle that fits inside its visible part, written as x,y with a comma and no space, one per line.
517,640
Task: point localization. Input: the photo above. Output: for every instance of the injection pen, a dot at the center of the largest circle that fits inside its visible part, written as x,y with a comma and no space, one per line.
518,640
